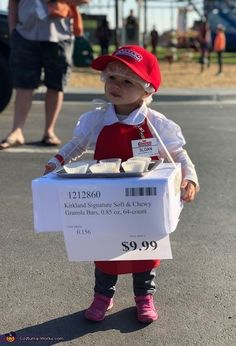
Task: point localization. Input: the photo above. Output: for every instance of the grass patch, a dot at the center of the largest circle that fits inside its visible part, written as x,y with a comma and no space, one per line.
229,57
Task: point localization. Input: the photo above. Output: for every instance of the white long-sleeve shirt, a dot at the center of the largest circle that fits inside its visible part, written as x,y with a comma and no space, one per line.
91,123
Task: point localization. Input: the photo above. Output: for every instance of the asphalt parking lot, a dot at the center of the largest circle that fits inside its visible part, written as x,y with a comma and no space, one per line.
44,296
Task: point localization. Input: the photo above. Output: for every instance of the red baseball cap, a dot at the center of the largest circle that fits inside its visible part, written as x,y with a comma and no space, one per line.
143,63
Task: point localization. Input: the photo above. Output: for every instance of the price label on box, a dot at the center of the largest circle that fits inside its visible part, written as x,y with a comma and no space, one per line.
101,225
108,219
81,245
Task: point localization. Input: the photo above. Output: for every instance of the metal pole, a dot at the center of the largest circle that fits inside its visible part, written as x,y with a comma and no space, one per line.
139,3
123,33
172,15
117,23
145,25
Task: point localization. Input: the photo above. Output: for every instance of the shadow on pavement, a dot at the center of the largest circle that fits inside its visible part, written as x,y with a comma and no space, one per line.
74,326
40,144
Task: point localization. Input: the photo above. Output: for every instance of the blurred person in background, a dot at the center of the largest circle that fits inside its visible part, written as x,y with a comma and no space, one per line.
41,40
205,42
131,28
103,34
219,47
154,39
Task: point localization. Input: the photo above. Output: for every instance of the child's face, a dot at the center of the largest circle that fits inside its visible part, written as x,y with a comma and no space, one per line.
124,93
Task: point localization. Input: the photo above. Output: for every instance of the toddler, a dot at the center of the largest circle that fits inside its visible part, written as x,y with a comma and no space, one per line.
131,75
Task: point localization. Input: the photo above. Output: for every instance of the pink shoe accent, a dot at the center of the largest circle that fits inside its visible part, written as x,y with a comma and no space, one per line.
100,305
146,309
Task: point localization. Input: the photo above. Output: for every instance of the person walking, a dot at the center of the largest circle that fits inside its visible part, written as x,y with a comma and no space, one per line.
103,34
219,47
41,40
131,28
205,42
154,39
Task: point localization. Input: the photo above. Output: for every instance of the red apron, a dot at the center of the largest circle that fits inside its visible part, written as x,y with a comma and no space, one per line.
115,141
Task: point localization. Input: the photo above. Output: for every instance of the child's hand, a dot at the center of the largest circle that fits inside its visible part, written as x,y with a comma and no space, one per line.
188,190
49,168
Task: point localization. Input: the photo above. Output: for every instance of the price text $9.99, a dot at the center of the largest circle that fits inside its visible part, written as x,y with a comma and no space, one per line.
144,246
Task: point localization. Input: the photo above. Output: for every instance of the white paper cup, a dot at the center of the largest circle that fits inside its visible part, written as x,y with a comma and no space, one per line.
141,158
103,167
76,167
115,160
134,166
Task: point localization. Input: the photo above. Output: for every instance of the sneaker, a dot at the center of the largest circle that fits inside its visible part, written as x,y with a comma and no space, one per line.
100,305
146,309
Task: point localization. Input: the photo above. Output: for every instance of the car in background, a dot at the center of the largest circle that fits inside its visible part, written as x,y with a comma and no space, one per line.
5,76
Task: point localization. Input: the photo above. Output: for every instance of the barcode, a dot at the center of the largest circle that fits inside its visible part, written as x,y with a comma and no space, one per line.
140,191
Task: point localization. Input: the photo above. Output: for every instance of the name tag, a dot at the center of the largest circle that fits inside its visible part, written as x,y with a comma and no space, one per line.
145,147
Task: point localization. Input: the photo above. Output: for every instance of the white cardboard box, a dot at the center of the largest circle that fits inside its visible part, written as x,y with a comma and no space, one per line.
108,219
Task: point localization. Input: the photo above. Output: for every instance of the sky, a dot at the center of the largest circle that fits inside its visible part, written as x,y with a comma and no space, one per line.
159,12
162,17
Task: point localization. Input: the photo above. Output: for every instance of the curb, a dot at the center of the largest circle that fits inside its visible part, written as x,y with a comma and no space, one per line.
164,96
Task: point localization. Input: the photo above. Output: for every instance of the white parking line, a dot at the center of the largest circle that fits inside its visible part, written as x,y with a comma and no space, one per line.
35,150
